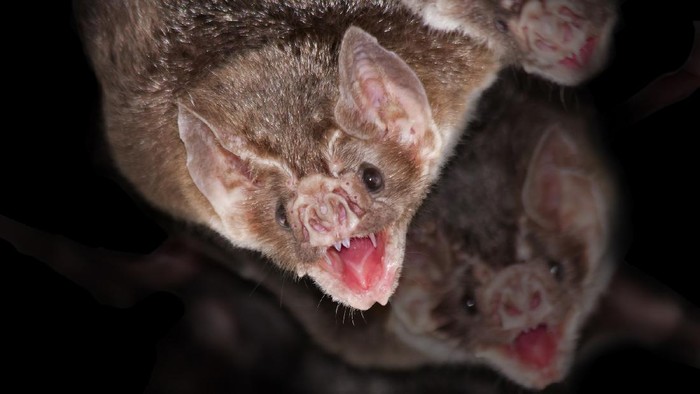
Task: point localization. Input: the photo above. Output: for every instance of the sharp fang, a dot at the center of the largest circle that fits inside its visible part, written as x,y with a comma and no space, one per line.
373,239
328,260
346,242
337,246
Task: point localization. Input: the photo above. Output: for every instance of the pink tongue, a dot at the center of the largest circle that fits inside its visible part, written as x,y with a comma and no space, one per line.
536,347
362,263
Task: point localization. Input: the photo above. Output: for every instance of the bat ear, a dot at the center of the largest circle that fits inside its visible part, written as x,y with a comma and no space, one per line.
559,193
380,96
222,176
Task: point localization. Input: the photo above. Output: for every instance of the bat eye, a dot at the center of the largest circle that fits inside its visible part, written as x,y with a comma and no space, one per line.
371,177
501,25
556,269
281,216
470,304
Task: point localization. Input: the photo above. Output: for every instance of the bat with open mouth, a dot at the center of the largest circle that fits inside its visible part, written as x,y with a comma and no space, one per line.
308,131
514,250
564,41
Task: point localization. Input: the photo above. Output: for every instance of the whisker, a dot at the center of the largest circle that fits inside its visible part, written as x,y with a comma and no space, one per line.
561,97
284,277
266,272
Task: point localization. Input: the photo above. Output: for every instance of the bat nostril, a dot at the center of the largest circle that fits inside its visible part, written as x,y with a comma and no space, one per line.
535,300
317,226
511,309
566,32
342,214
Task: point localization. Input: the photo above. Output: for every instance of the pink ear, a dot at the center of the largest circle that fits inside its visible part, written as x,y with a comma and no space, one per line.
222,176
380,96
558,193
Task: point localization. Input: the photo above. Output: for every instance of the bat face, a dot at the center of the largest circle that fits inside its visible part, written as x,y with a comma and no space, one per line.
562,40
510,279
321,172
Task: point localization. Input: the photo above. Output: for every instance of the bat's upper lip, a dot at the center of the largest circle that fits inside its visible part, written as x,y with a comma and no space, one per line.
346,242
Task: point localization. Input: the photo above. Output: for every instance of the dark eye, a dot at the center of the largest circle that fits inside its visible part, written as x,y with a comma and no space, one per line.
281,216
470,304
556,269
501,25
371,177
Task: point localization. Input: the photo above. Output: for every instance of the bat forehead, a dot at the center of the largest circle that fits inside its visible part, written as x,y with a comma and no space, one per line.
281,101
281,105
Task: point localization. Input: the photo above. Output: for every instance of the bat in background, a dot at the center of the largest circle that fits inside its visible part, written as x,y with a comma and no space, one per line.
513,250
564,41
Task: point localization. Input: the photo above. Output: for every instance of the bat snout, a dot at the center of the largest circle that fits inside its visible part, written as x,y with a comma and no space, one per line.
519,298
325,213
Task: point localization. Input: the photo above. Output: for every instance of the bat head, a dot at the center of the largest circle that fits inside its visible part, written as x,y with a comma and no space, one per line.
317,154
510,289
564,41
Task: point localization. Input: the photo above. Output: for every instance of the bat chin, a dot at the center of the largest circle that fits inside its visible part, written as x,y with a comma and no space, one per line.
361,270
536,357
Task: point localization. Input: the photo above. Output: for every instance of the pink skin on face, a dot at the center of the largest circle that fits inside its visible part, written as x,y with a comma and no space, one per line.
555,34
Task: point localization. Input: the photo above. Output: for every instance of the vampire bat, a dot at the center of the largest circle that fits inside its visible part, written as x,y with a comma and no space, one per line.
507,273
308,130
565,41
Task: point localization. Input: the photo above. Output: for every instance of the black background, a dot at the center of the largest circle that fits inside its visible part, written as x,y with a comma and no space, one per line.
62,338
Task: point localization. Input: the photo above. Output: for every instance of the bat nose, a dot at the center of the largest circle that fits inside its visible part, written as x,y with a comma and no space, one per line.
523,302
520,298
324,212
327,214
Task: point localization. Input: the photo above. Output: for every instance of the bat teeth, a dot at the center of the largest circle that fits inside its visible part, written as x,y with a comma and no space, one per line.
328,260
337,246
373,239
346,242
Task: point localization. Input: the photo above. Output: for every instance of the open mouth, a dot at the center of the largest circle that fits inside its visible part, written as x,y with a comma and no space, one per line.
582,57
536,347
358,262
